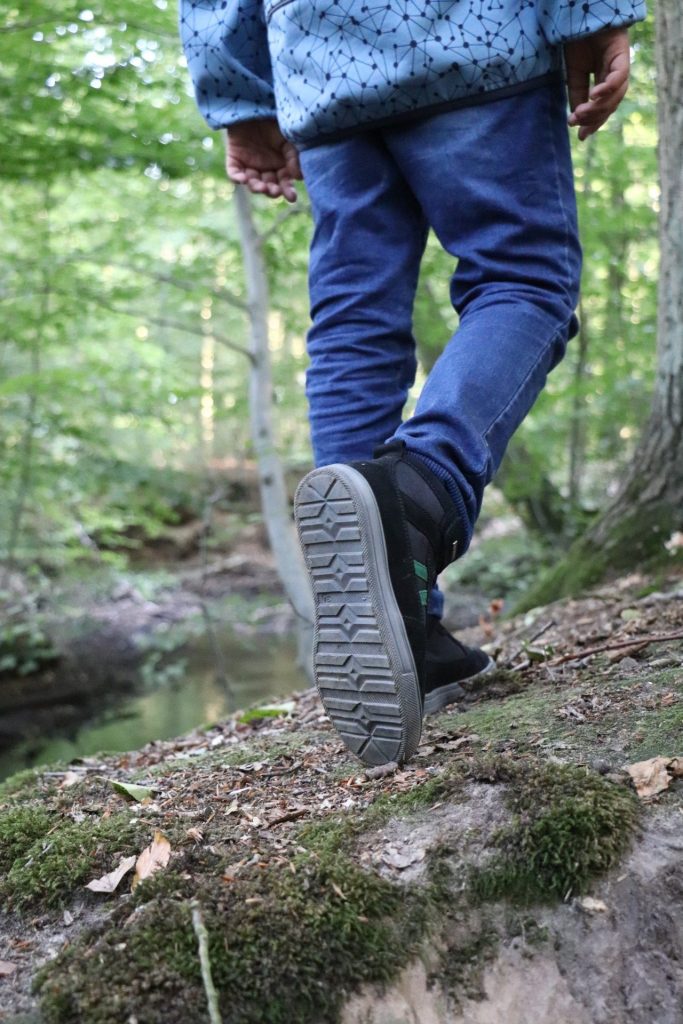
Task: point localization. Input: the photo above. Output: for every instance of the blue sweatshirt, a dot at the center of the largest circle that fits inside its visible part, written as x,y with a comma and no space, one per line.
329,67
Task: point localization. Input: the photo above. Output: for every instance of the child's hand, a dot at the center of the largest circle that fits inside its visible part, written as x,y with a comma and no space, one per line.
259,156
607,57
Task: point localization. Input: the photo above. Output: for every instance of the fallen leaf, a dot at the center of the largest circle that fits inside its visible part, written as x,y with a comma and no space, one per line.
654,775
109,882
68,918
674,543
627,653
130,790
338,891
593,906
630,614
70,779
462,741
6,968
380,770
153,858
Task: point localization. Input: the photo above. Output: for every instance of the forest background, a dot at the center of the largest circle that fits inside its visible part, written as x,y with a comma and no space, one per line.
124,364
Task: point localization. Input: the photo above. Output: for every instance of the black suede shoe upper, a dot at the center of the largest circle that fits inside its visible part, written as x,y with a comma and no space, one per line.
448,660
421,532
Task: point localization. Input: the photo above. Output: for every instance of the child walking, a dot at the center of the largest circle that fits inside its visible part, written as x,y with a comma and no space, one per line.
403,116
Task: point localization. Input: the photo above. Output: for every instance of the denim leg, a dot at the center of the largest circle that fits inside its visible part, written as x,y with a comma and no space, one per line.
495,182
367,245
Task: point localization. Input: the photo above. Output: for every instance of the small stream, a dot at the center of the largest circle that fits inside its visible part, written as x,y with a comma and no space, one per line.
189,692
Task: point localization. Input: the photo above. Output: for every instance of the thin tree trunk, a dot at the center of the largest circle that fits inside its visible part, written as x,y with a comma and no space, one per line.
274,501
28,440
577,432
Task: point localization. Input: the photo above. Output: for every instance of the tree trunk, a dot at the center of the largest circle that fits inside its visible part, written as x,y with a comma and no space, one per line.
634,529
649,506
274,502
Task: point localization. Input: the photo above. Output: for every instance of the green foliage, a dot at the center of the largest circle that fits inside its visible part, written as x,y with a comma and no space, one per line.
570,826
24,644
124,374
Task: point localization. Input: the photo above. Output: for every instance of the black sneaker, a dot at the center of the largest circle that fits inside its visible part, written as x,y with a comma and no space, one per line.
374,535
449,663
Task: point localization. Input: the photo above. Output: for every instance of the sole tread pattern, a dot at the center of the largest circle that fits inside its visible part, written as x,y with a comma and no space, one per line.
365,677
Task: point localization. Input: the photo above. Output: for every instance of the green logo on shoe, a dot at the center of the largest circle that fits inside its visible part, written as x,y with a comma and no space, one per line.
422,574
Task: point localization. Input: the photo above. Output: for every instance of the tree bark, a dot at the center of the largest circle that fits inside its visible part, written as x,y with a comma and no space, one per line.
274,502
634,529
652,492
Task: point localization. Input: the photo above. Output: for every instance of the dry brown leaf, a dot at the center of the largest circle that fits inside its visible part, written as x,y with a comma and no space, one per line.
110,881
6,968
654,775
70,779
381,770
153,858
593,906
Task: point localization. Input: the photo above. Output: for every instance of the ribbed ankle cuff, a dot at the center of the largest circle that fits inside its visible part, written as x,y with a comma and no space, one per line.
465,527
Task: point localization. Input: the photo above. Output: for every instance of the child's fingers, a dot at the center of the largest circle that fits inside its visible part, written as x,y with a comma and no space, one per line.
578,83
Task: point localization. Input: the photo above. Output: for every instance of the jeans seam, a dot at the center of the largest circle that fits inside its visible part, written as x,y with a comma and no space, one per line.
522,384
565,249
556,165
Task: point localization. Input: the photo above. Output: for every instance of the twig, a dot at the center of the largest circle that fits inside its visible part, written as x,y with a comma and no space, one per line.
636,641
531,639
288,816
205,962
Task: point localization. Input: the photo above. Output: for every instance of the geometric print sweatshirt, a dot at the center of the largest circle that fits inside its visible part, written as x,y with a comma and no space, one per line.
325,68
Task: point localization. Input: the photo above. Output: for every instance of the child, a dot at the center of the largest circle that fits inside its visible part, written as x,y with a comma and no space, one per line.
402,116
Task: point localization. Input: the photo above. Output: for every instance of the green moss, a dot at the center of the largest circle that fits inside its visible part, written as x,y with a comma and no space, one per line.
462,962
285,948
658,732
634,542
519,714
20,784
570,826
20,828
326,837
48,870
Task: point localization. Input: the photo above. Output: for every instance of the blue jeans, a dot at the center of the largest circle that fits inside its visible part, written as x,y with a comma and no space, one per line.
495,183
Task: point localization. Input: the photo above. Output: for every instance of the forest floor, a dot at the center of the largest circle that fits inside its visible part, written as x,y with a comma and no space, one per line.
517,869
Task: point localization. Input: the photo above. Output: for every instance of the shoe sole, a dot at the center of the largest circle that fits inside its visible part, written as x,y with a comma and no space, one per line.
363,663
451,692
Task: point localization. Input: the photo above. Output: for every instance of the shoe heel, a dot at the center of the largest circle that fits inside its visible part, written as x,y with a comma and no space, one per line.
363,665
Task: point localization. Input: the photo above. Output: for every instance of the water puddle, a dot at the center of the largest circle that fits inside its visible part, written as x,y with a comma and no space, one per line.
189,692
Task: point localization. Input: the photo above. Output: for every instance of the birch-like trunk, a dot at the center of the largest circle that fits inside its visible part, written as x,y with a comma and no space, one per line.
274,501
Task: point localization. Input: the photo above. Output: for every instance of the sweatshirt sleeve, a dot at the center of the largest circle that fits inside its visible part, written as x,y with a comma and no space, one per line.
226,47
563,20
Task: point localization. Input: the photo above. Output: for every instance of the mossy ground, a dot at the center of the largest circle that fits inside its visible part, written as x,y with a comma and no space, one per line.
569,827
269,832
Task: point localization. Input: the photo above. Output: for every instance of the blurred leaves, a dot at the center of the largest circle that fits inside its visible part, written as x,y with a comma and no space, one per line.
122,385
